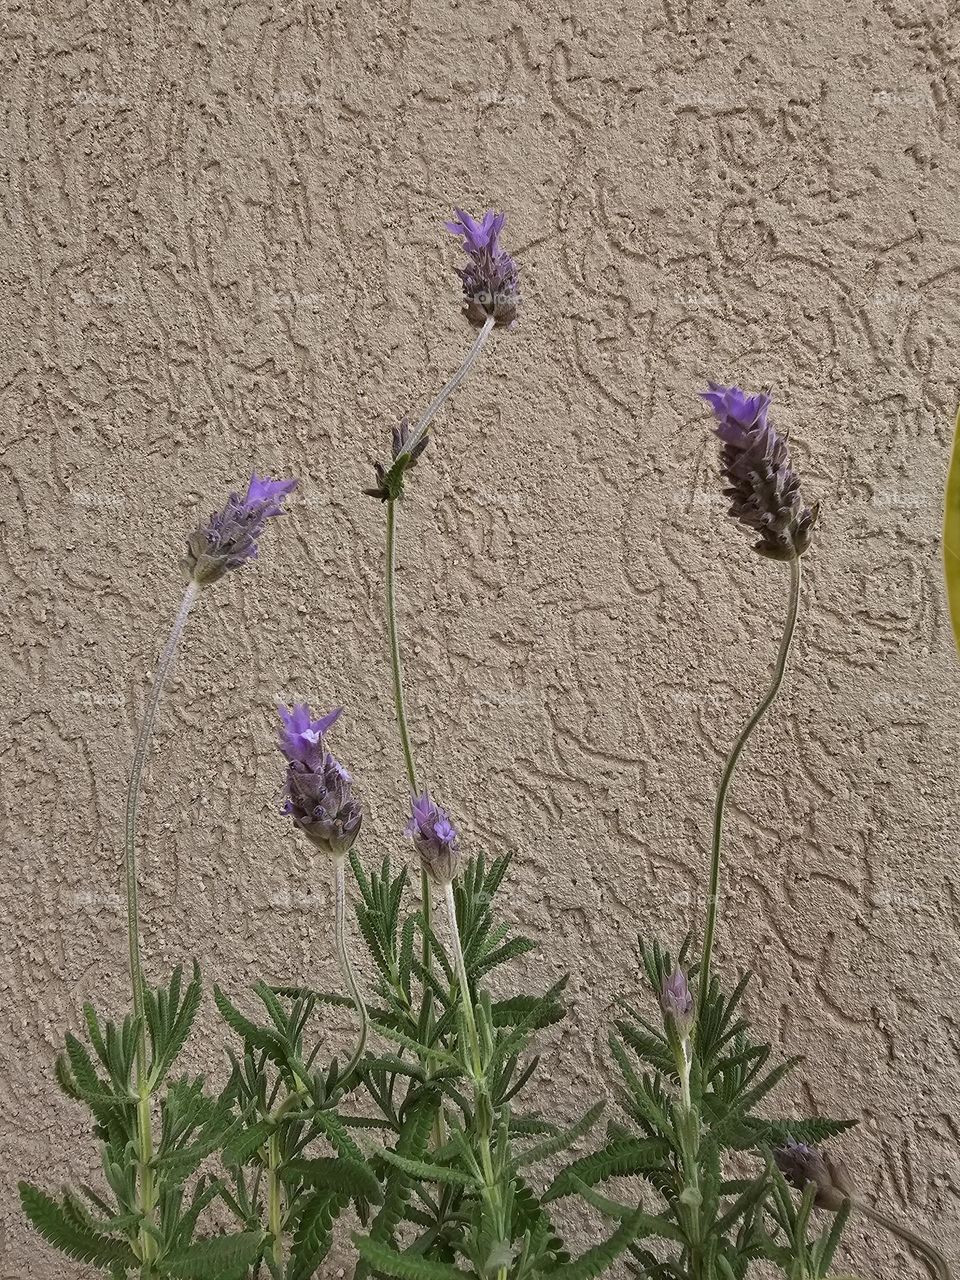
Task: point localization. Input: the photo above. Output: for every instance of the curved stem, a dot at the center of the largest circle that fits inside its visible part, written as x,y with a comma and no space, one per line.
346,965
133,797
728,770
437,404
932,1255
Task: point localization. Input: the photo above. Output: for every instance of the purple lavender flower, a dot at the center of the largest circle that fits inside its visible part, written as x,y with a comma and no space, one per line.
229,538
763,488
318,794
301,737
491,285
435,838
676,1001
801,1164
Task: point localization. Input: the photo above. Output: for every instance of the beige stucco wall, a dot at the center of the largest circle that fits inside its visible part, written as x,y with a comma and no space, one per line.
222,249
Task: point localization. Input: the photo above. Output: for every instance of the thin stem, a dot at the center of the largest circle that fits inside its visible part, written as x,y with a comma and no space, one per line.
395,662
461,971
399,706
146,1186
133,797
346,965
932,1255
728,770
437,404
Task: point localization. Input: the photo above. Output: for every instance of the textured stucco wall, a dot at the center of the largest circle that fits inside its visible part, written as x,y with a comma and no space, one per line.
221,248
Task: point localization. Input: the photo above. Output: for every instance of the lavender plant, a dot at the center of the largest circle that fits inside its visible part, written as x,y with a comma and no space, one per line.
457,1200
295,1166
691,1083
154,1131
424,1130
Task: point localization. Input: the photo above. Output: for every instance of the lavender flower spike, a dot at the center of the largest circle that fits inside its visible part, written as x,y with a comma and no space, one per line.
229,537
318,794
435,838
491,285
763,487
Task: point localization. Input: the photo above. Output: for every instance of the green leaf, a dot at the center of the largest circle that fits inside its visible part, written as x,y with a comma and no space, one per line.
624,1157
313,1235
437,1055
336,1174
813,1131
951,534
596,1260
80,1243
647,1224
559,1142
258,1037
404,1266
176,1035
217,1256
411,1144
536,1011
245,1144
424,1171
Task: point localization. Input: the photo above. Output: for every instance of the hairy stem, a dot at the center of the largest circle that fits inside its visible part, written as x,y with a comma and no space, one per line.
275,1197
483,1115
146,1188
461,972
346,964
146,1184
936,1259
399,705
443,396
395,661
727,775
133,798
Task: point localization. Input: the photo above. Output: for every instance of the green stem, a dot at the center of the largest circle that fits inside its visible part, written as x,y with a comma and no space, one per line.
399,706
482,1109
932,1255
728,770
395,662
133,797
461,971
346,965
275,1197
146,1185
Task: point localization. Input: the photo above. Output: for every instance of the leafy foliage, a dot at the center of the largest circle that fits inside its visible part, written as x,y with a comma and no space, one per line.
456,1198
112,1230
690,1095
293,1165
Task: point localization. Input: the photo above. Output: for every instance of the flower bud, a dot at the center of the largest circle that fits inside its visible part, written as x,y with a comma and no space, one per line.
801,1165
676,1001
435,838
318,793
